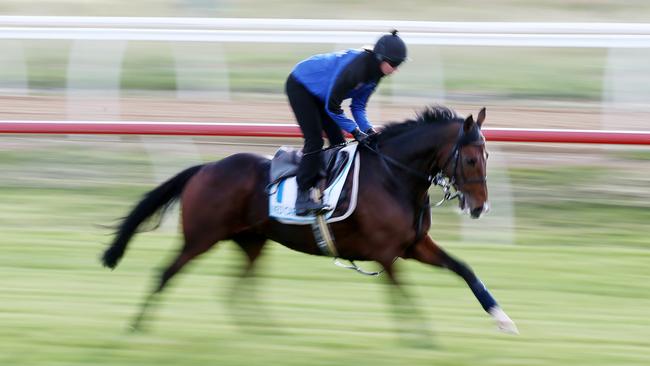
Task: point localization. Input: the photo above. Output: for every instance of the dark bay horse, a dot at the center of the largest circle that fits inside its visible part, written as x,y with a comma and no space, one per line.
226,200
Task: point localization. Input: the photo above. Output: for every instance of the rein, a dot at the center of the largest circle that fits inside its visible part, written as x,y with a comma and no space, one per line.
416,173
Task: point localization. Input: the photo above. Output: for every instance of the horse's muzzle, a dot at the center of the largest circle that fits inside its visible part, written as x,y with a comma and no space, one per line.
478,211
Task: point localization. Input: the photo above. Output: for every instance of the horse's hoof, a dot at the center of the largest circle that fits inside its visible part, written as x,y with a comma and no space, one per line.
508,327
504,323
135,328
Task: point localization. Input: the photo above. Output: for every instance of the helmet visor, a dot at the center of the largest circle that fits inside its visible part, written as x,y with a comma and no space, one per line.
393,63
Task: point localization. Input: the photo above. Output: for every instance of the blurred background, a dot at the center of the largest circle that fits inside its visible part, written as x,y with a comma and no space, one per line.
565,248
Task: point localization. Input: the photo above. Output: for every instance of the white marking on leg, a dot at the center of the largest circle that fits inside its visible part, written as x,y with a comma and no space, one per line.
504,323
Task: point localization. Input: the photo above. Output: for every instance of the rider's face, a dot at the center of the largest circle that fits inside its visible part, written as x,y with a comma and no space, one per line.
386,68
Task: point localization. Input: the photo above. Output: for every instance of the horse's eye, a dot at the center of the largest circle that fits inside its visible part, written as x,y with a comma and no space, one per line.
471,161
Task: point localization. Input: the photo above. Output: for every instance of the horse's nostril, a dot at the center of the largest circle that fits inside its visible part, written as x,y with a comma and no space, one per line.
476,212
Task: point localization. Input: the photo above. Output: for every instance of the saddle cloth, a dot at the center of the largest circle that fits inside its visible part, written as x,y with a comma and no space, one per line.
283,187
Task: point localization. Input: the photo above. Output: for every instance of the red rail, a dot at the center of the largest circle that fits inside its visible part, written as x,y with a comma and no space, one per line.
289,130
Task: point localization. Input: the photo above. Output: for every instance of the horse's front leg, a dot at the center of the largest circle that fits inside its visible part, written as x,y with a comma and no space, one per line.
412,327
426,251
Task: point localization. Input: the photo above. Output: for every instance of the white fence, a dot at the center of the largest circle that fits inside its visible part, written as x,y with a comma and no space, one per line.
607,35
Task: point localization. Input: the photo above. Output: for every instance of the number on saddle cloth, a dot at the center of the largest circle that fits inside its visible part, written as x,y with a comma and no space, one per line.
282,188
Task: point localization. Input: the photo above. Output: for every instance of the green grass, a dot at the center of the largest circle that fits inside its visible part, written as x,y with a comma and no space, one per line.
575,281
642,155
584,306
564,74
525,73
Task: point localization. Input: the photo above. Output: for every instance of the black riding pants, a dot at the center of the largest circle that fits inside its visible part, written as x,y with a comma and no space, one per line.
313,119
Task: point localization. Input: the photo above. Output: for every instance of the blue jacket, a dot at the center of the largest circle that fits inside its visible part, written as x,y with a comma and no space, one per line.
333,77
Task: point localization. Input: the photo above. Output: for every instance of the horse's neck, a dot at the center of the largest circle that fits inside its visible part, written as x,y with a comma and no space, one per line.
419,151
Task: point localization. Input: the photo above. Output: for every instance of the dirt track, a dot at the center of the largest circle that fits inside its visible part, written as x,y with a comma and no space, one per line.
274,109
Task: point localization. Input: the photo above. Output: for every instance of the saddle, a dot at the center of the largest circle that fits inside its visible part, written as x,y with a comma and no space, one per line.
286,160
282,188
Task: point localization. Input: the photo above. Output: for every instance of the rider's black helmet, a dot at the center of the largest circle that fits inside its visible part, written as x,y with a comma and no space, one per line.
391,48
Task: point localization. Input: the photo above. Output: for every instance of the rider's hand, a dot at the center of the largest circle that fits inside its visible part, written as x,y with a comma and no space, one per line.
371,131
359,136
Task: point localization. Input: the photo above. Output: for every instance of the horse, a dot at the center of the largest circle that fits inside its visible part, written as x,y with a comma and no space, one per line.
227,200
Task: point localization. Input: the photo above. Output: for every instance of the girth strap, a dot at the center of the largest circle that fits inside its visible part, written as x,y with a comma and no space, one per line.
325,242
323,236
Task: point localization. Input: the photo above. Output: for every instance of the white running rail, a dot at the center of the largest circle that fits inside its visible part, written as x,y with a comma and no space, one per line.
512,34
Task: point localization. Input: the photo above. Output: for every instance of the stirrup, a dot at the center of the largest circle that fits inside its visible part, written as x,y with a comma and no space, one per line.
314,208
354,267
313,204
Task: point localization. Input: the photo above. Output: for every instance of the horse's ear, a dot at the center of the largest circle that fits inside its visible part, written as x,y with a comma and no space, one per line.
469,123
481,117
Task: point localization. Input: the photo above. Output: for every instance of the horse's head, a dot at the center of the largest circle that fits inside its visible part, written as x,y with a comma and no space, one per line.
441,142
466,167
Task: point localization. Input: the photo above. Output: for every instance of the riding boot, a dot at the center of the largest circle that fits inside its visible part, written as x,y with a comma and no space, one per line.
306,205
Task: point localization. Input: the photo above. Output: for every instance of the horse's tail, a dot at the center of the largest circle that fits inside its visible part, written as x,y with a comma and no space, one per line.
149,205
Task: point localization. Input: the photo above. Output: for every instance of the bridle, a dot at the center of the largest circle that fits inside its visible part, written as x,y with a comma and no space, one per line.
448,183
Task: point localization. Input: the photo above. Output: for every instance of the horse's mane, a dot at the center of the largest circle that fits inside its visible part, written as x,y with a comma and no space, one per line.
435,114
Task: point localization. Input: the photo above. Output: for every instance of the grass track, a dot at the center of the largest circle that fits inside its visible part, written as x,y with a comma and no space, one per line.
580,306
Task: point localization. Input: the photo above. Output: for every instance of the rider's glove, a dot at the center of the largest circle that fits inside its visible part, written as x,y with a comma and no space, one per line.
359,136
371,131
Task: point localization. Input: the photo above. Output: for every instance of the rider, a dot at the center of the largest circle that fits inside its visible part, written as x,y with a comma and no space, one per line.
316,88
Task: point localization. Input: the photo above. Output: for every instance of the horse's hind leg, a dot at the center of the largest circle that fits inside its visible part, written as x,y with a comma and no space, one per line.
194,246
242,301
426,251
252,245
412,326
